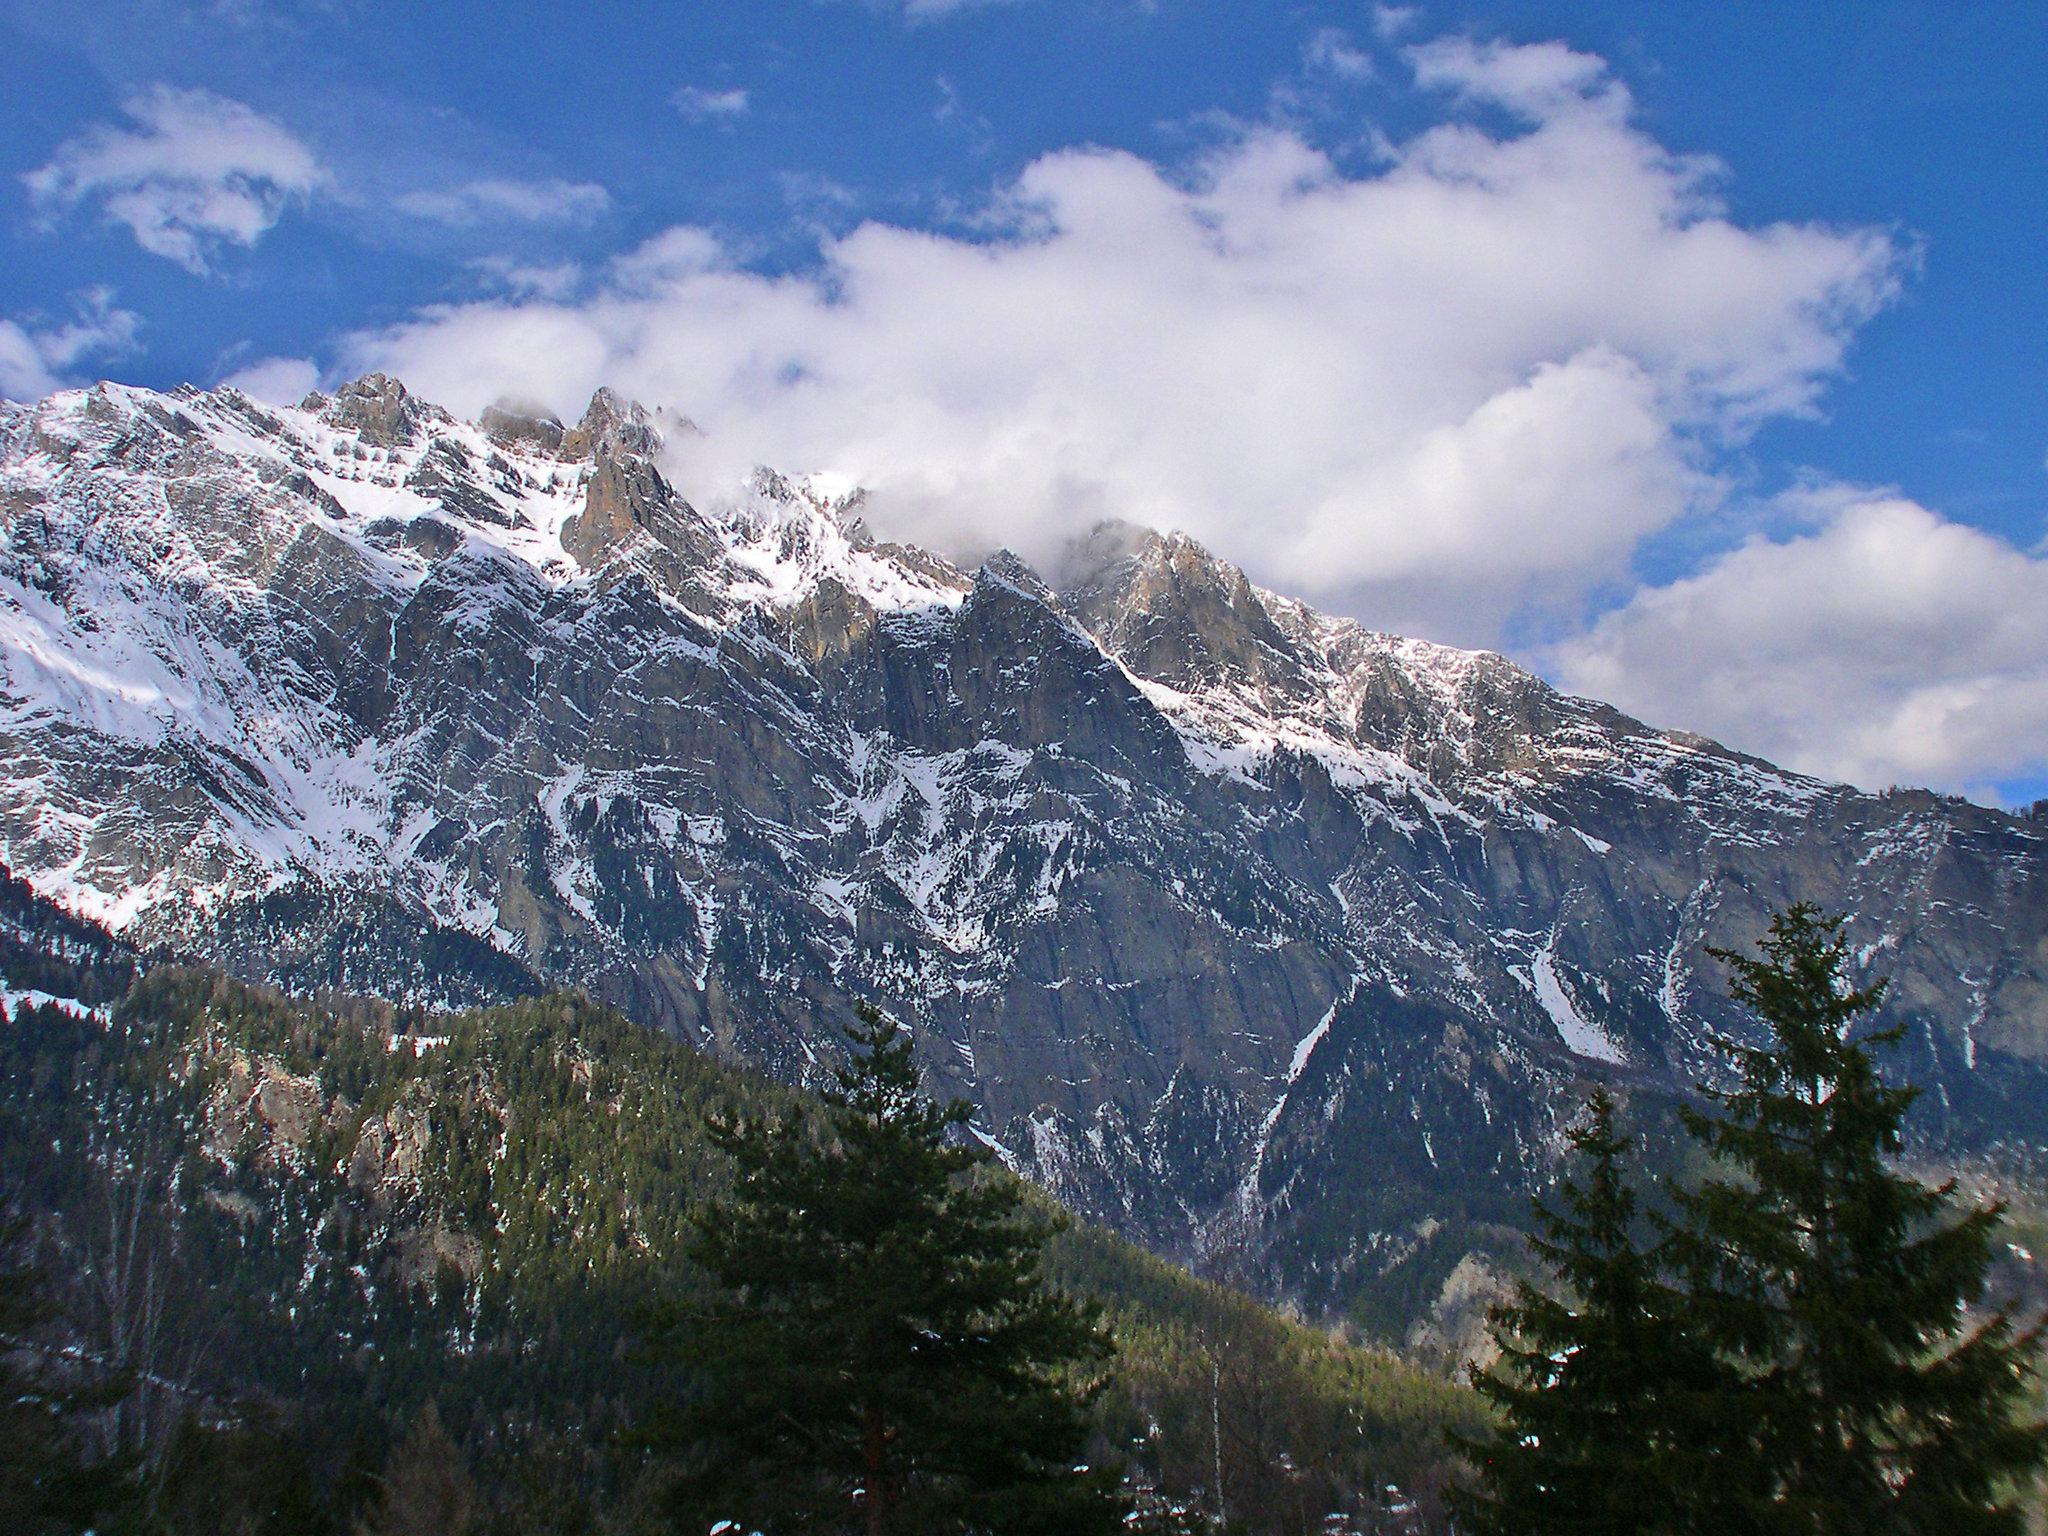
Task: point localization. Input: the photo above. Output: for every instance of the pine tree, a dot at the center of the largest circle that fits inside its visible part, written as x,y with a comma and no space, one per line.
882,1354
1580,1445
1836,1285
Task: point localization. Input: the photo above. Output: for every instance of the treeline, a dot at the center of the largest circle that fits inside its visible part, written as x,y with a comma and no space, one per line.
280,1265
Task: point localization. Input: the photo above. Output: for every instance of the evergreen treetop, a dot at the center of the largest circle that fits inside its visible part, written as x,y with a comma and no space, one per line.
1836,1286
1795,1352
882,1354
1580,1444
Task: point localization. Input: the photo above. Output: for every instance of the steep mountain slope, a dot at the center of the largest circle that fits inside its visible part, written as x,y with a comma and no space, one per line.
1277,942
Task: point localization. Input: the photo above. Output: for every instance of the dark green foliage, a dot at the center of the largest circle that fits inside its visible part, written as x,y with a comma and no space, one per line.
558,1149
315,937
884,1353
53,1480
247,1477
1835,1286
425,1489
473,1223
1589,1374
1798,1354
1246,1413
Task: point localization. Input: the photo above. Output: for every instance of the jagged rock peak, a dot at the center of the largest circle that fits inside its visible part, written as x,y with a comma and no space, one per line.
837,501
1110,545
626,492
1012,570
1006,568
1172,610
512,424
612,424
1115,553
379,408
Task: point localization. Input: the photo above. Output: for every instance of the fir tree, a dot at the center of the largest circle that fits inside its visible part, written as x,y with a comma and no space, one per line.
884,1355
1837,1286
1579,1444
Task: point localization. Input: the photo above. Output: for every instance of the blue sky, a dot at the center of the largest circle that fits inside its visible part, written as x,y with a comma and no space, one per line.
1692,354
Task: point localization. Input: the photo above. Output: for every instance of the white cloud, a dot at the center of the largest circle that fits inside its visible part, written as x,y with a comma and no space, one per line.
24,375
1538,80
817,198
526,279
670,257
934,10
1441,394
700,104
502,202
36,358
276,380
1391,21
98,328
195,172
1883,645
1329,48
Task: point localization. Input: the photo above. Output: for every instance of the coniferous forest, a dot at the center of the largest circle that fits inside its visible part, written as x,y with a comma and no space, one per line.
297,1265
324,1264
1791,1342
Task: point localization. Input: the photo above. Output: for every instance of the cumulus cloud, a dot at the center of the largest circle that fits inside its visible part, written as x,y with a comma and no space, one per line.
1883,645
701,104
1441,394
194,172
38,358
509,202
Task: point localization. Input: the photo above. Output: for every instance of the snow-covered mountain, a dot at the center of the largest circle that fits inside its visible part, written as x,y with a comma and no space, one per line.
1274,940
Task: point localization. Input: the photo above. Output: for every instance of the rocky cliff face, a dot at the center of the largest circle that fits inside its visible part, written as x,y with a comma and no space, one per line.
1278,942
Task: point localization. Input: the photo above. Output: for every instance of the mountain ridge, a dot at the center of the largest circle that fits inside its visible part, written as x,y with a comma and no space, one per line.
1266,937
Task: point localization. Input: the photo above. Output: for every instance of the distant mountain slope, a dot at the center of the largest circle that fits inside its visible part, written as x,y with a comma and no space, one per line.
1276,942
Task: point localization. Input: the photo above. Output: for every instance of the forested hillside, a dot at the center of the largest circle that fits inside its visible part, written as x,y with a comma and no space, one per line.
278,1230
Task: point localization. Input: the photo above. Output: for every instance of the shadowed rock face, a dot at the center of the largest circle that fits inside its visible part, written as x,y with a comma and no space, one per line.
626,495
1280,943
